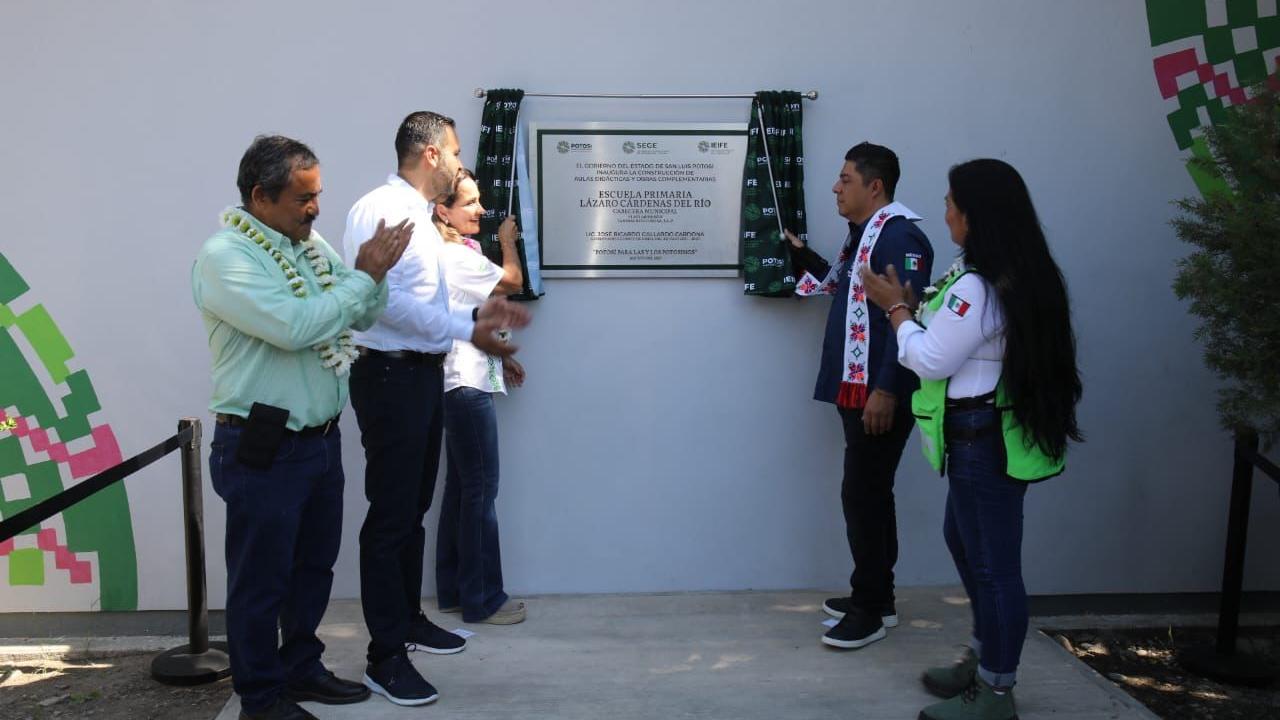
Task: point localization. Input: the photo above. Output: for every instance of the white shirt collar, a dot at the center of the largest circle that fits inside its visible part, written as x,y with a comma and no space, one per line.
394,180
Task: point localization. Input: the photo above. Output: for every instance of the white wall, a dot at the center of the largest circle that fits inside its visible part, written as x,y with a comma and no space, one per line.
665,439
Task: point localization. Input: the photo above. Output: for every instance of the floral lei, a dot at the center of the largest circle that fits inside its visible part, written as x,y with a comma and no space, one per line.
957,269
336,353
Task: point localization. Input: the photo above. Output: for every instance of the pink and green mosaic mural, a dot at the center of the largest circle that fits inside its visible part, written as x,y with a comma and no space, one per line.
1209,54
51,436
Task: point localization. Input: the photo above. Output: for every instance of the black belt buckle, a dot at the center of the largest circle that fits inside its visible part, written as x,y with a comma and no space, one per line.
321,430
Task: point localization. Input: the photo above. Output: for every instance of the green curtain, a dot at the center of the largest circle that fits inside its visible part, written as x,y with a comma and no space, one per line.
495,174
775,159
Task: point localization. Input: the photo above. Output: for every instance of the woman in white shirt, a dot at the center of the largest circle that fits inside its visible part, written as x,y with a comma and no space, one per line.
468,560
995,352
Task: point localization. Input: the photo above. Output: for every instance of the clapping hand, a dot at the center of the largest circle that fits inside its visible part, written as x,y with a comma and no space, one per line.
381,252
886,290
494,315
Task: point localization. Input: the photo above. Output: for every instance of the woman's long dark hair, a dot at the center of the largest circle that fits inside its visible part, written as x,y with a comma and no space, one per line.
1006,246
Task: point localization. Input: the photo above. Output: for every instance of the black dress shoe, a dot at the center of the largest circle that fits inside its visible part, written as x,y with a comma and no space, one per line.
327,688
284,709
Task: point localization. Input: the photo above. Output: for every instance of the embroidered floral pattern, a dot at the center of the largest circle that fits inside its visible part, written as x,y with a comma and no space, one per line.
858,373
853,384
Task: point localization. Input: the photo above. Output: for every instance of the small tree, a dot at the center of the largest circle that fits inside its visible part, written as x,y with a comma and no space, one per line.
1233,276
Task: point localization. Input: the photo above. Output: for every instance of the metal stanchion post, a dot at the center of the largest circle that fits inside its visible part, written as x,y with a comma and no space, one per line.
1222,661
199,661
1237,534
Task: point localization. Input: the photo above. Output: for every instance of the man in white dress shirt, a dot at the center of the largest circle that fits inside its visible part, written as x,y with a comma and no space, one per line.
397,393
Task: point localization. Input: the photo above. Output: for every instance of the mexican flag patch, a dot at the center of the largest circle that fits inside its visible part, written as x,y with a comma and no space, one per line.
912,263
958,305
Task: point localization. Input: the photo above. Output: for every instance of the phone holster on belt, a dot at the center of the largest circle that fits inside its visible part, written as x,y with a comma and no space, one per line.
260,440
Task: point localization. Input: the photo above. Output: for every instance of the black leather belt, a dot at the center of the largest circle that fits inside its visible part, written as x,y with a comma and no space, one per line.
972,403
322,429
978,402
412,356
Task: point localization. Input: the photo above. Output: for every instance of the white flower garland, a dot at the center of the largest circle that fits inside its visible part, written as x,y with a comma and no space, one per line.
956,269
336,353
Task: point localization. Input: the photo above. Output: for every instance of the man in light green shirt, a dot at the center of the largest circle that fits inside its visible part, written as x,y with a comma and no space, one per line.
279,305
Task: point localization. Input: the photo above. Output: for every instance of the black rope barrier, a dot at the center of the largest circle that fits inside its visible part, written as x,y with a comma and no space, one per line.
45,509
199,661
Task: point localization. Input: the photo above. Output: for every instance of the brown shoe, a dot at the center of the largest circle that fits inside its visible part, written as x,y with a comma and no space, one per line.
511,612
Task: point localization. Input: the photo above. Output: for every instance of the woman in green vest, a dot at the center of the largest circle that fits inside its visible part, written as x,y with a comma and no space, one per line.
993,346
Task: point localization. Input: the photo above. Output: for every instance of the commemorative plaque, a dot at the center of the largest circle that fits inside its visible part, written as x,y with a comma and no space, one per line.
638,200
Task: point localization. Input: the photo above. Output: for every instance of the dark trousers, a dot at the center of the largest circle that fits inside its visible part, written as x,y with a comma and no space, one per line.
468,558
870,462
983,530
399,406
284,526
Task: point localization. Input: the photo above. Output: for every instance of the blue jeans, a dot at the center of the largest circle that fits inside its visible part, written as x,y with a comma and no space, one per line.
468,559
983,530
284,526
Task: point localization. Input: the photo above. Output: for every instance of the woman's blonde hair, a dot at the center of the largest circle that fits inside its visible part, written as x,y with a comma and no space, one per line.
447,231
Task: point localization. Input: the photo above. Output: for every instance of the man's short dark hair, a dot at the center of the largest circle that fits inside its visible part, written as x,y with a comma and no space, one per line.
419,130
269,162
876,162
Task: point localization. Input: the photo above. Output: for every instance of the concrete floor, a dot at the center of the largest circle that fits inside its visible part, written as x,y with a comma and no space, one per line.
741,655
